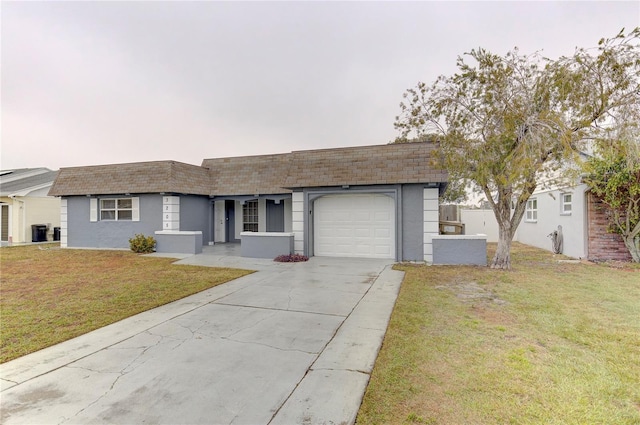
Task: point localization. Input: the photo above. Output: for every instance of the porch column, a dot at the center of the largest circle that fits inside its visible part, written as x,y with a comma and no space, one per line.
170,213
63,223
431,218
297,221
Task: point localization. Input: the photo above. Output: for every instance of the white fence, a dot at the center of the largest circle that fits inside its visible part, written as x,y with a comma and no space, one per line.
480,222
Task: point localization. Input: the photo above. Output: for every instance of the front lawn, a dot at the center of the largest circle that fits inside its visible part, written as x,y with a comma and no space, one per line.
49,295
547,343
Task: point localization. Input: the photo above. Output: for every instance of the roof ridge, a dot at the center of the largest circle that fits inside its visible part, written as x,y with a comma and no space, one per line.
385,145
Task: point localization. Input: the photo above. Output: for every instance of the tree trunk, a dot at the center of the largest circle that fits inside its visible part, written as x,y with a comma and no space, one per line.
502,258
633,245
508,221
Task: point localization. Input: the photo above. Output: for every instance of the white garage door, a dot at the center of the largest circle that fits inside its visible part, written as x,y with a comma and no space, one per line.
355,226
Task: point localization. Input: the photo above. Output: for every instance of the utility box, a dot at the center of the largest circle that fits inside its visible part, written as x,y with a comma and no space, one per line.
451,228
56,233
38,233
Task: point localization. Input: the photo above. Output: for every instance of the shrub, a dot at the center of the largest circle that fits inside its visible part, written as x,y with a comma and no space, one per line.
291,258
142,244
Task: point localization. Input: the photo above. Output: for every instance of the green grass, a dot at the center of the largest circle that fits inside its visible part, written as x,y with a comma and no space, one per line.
51,295
547,343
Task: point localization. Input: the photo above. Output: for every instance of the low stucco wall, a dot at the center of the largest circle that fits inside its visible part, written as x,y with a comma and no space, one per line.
179,242
265,244
460,250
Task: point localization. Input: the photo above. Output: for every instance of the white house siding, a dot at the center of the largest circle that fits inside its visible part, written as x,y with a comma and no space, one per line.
42,211
24,211
550,216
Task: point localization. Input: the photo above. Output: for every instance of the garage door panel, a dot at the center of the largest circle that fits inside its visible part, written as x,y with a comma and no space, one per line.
362,233
381,250
382,216
361,216
360,225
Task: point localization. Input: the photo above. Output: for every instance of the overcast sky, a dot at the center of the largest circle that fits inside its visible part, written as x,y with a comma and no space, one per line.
87,83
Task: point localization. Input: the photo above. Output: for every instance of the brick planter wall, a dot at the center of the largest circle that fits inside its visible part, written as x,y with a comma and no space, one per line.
603,245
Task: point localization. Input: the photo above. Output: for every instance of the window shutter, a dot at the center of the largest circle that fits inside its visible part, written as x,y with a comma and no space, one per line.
135,209
93,209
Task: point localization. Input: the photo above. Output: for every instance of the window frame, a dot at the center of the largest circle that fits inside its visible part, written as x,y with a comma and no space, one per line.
564,203
117,209
531,211
250,216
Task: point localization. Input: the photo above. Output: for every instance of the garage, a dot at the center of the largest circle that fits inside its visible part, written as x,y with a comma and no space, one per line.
355,225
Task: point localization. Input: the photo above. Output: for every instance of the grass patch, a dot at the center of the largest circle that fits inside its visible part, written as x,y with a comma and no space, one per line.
547,343
51,295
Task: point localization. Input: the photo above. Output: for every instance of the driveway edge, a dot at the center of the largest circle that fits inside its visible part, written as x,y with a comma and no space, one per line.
332,391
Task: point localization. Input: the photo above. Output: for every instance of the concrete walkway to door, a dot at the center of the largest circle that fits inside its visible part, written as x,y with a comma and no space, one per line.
291,343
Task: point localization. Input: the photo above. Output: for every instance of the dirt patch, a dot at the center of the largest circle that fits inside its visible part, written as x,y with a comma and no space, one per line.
472,292
619,265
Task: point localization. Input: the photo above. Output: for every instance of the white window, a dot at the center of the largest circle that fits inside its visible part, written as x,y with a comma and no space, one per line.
566,204
250,216
116,209
531,213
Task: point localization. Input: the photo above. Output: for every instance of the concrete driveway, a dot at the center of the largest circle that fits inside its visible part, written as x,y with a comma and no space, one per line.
289,344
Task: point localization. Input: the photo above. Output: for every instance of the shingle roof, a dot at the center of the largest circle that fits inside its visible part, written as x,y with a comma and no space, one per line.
139,177
262,174
13,181
364,165
248,175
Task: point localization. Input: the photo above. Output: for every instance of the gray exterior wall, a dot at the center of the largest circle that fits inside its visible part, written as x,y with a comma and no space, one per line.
457,250
265,244
83,233
196,215
412,222
409,200
182,242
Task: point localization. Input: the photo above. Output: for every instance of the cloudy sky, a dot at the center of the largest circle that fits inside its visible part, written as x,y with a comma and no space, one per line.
87,83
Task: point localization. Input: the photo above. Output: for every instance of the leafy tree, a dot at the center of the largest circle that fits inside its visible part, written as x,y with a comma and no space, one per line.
502,122
614,176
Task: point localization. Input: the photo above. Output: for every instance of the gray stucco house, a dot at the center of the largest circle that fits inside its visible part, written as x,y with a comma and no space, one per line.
368,201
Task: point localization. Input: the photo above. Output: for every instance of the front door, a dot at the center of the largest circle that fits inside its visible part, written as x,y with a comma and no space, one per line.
230,221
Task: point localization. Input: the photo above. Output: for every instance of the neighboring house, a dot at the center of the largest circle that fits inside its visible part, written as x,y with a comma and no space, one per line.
548,209
581,215
370,201
24,202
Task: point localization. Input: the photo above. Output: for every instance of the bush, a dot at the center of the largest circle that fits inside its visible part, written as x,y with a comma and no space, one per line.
142,244
291,258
